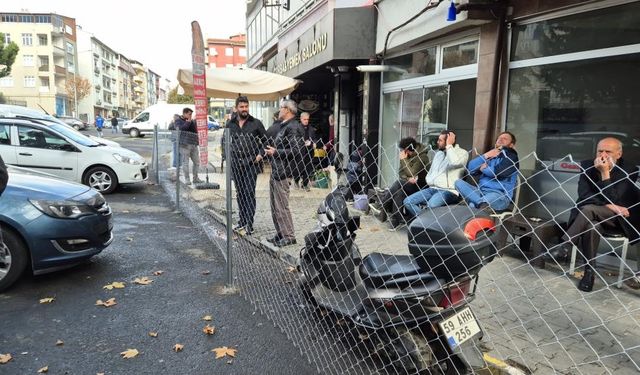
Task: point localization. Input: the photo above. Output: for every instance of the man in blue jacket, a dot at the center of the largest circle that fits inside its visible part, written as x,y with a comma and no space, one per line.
498,171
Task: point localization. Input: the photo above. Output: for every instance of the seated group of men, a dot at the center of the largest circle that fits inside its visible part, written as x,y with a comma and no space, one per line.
608,197
423,184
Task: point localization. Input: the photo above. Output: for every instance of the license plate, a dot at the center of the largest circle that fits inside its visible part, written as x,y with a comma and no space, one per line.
460,328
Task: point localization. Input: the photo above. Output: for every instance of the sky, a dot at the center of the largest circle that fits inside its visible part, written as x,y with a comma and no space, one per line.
159,36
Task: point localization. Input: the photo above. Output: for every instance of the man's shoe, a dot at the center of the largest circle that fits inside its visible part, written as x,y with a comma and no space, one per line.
197,181
285,242
483,206
274,239
586,284
561,252
307,188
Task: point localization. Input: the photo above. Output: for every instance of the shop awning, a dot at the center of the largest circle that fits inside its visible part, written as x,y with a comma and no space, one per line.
231,82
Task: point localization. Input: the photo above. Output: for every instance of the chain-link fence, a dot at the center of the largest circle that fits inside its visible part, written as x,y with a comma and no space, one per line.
418,260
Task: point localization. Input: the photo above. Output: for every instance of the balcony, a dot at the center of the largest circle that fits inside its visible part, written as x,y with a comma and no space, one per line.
60,71
138,79
138,99
138,89
138,67
43,68
59,51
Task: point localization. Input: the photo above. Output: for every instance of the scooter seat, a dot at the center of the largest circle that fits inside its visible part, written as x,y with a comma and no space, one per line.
392,270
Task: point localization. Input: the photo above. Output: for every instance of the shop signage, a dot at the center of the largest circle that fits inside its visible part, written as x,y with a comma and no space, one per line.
312,49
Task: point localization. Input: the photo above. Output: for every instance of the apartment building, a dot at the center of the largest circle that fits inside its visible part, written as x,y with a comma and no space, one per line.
127,107
224,53
47,58
153,83
140,80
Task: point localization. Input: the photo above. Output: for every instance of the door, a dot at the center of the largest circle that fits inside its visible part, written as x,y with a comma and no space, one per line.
7,151
47,152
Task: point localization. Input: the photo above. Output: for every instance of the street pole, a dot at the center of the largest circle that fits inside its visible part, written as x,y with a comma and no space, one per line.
156,159
229,195
75,98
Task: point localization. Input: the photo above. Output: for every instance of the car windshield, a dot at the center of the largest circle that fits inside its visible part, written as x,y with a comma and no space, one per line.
74,135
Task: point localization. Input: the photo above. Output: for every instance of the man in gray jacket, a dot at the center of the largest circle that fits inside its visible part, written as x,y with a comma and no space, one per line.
447,167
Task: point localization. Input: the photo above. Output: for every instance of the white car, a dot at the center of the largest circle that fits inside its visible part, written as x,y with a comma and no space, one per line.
58,150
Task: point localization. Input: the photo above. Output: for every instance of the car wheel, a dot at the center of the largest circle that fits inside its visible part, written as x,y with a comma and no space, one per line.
134,133
102,179
13,259
76,127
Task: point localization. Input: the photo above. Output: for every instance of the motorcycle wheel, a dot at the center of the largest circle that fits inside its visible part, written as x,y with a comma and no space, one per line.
408,352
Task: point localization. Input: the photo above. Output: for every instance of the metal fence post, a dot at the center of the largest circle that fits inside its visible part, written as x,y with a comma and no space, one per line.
178,165
156,158
229,196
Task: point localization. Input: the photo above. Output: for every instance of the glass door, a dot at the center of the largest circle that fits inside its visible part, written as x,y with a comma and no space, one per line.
435,107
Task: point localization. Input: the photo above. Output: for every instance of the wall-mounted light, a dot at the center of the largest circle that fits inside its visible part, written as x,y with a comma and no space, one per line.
286,4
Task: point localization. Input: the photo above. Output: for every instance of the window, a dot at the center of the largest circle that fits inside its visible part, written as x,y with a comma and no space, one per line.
70,48
43,39
44,84
228,51
36,138
25,18
5,138
9,18
29,81
6,82
7,38
27,60
460,55
417,64
43,19
27,39
242,52
71,66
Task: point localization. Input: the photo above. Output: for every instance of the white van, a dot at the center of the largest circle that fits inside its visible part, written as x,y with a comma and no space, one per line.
160,113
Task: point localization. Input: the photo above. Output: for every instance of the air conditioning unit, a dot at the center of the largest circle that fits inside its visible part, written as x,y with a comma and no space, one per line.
98,101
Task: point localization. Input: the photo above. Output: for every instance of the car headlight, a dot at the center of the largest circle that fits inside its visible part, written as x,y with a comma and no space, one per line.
62,209
126,159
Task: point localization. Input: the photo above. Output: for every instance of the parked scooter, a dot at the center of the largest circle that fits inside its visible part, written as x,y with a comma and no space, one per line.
411,310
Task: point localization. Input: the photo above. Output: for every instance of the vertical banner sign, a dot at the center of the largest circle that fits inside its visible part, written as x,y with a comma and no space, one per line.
200,90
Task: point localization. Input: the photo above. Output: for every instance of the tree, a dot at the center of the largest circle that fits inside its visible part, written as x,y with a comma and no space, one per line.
8,53
174,98
77,88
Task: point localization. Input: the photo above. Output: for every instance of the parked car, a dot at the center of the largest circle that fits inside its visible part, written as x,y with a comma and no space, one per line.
49,224
56,149
121,122
76,123
212,123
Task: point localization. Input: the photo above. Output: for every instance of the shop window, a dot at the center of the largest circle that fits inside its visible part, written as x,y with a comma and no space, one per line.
610,27
460,55
417,64
389,137
565,108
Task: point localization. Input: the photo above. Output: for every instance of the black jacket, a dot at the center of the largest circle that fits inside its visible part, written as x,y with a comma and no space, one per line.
188,131
619,189
289,145
4,176
247,142
305,162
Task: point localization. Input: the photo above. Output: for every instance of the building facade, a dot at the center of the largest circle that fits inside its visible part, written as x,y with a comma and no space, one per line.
225,53
46,60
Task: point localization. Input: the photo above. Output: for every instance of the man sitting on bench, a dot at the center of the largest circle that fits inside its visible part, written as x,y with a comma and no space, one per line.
498,171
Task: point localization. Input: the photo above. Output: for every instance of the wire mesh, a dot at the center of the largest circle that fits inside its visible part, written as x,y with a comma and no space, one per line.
454,263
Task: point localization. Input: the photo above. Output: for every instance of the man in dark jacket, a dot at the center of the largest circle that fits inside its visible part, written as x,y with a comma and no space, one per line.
188,141
607,200
305,163
247,139
287,147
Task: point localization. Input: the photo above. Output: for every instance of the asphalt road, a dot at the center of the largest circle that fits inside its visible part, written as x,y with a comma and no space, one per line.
149,237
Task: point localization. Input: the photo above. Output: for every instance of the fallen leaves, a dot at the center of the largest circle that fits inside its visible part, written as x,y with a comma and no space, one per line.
108,303
224,351
47,300
4,358
129,239
142,280
59,343
209,330
129,353
158,273
153,334
178,347
206,272
207,318
114,285
43,370
291,269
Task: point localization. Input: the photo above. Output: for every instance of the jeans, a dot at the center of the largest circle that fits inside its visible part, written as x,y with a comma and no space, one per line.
392,200
190,152
430,197
474,196
174,162
245,181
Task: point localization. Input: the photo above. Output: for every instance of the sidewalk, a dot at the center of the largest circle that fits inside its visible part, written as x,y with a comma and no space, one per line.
533,319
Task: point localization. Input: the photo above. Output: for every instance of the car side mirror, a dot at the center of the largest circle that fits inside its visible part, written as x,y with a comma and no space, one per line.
68,147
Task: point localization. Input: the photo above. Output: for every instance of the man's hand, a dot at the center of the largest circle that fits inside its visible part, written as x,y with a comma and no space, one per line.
491,153
270,151
451,139
623,211
483,166
258,158
413,180
307,143
604,166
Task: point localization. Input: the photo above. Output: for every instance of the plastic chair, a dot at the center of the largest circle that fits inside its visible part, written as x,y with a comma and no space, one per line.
610,237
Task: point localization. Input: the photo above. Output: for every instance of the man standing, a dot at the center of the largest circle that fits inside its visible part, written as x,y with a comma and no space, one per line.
188,143
114,124
247,140
607,200
447,167
287,147
99,124
305,163
498,171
